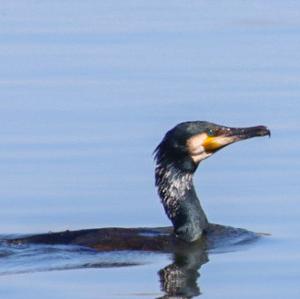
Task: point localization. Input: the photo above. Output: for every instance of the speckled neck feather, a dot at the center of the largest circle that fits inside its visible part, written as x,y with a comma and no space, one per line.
178,196
172,187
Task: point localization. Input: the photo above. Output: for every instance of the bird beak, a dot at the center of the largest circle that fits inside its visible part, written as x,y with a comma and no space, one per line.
225,136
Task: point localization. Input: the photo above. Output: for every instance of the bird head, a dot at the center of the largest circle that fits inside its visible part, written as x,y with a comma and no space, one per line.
188,143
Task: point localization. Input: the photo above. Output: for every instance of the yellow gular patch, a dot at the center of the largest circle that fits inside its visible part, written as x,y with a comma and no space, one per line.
211,144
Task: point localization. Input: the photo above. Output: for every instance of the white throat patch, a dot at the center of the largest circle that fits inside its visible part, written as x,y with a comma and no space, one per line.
196,148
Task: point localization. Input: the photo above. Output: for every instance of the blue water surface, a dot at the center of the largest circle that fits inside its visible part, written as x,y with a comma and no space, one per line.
88,89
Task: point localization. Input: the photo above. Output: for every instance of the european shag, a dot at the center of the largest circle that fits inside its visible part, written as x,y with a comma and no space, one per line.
177,158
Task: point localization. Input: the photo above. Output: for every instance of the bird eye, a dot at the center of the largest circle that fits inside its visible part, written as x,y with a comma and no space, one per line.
210,132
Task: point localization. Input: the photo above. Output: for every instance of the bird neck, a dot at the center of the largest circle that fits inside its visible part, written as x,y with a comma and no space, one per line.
180,201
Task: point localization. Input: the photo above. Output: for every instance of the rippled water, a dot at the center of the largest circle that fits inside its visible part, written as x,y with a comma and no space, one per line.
87,90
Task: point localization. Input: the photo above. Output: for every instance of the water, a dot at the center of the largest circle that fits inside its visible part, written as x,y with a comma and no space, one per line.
87,90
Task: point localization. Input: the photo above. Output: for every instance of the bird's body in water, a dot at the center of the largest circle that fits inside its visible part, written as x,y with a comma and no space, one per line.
177,158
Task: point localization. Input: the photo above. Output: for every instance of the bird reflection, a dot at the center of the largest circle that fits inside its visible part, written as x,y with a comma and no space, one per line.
179,279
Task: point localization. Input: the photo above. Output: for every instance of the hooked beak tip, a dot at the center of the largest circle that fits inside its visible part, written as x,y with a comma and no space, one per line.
264,131
258,131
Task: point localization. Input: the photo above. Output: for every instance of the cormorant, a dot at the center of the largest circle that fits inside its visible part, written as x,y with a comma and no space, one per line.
177,158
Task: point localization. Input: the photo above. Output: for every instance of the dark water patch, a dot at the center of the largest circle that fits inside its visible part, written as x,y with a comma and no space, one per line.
19,254
17,259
